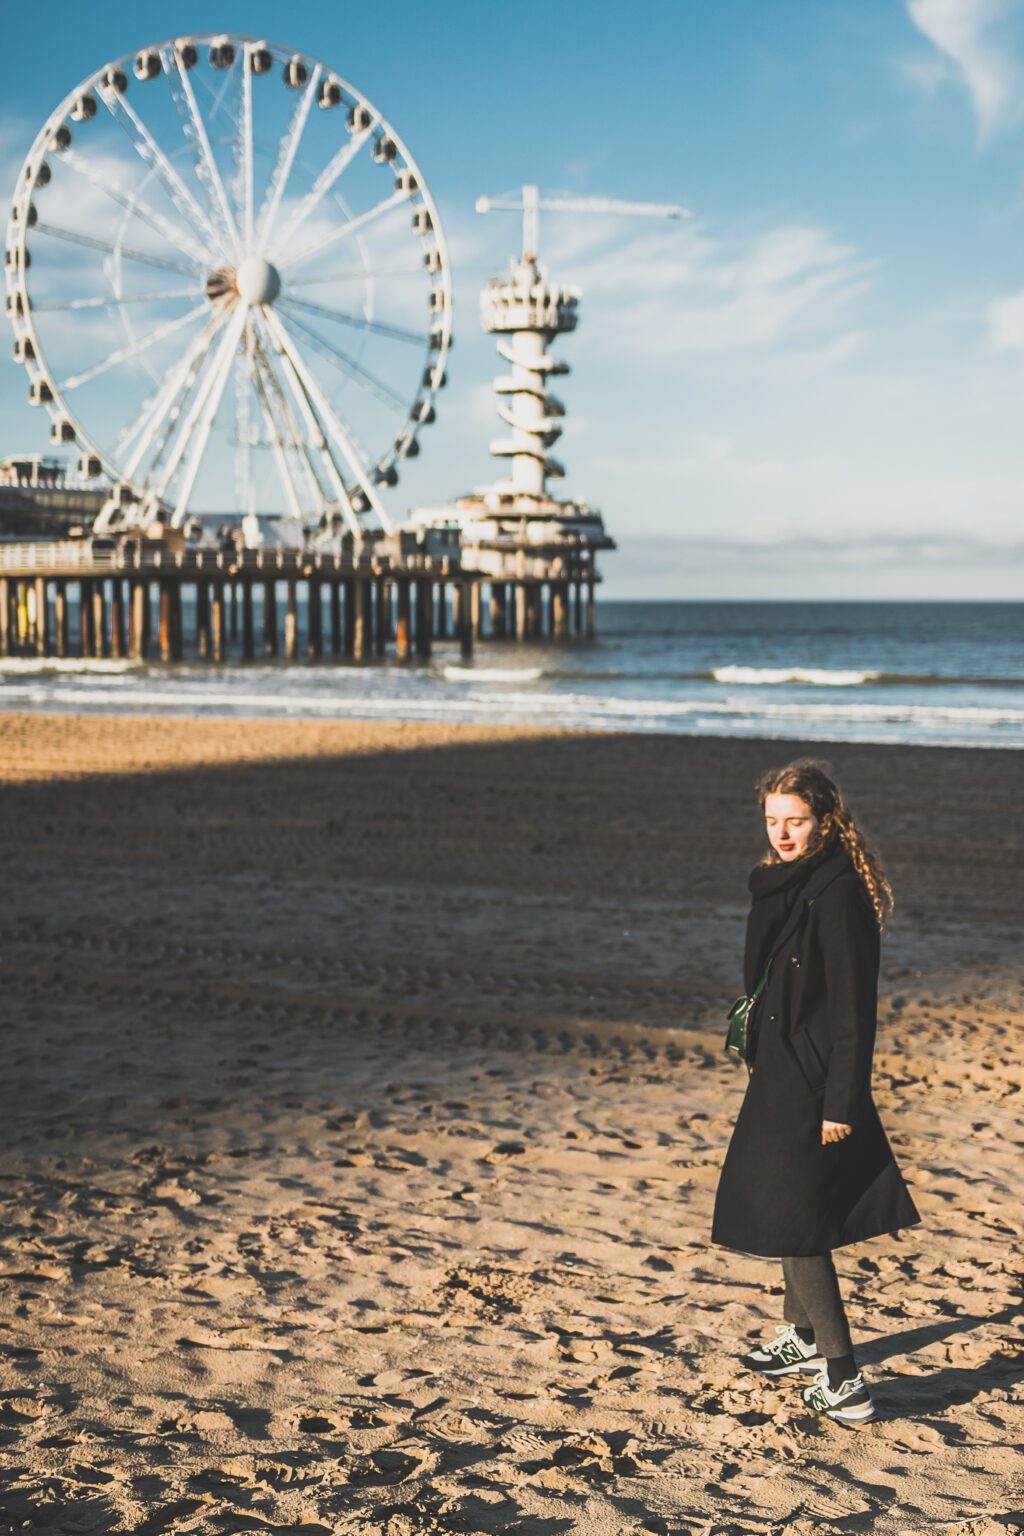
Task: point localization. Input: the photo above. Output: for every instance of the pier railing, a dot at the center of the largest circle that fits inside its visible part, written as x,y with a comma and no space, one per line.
73,557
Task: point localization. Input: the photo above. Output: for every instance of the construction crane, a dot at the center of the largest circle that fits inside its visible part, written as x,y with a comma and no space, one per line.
531,204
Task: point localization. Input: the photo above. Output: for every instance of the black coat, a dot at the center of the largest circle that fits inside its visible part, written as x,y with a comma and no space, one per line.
781,1192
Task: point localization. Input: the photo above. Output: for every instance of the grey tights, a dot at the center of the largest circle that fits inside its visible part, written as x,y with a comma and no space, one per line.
813,1301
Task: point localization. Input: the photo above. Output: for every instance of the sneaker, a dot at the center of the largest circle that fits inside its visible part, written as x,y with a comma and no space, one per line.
787,1352
850,1403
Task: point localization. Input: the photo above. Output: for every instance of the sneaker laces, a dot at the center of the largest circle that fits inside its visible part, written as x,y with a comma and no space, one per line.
784,1332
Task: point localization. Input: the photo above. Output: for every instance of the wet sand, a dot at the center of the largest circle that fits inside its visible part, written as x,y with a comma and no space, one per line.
362,1111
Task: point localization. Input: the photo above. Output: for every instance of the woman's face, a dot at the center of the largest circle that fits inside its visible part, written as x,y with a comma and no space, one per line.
790,824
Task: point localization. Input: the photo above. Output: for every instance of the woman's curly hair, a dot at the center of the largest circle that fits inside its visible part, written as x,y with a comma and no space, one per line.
809,778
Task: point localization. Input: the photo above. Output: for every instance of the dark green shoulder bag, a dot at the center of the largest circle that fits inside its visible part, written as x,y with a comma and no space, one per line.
737,1033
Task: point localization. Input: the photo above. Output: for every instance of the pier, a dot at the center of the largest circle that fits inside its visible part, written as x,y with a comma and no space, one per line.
133,599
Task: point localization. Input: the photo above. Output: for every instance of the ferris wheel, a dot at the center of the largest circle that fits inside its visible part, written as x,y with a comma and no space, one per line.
229,286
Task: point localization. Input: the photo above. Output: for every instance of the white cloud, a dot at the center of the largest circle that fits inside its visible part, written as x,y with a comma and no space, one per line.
716,457
672,291
968,33
1005,318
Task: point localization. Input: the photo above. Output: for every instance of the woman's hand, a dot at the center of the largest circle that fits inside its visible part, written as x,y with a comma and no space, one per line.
831,1130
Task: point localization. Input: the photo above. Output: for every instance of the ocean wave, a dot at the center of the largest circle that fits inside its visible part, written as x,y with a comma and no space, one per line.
822,677
28,665
553,703
492,674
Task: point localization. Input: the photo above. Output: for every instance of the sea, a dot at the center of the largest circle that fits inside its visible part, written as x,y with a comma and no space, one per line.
931,674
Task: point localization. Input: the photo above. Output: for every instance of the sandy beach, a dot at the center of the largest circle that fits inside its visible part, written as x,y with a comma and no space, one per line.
363,1106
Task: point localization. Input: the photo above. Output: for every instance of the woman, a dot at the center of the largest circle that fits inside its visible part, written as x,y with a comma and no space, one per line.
809,1168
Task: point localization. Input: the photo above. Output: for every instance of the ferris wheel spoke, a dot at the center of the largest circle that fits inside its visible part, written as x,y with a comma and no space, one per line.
214,361
318,432
114,303
358,322
151,154
194,127
353,275
294,431
327,178
200,436
319,401
137,206
244,164
286,158
94,243
349,366
166,405
345,230
165,419
243,424
133,349
276,438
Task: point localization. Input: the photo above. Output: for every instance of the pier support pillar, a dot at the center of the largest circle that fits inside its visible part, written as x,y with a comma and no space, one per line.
117,641
424,615
165,619
532,590
578,607
466,610
349,627
361,618
270,617
137,619
591,616
177,622
42,618
403,636
519,598
234,609
382,600
560,610
99,618
203,619
315,617
291,621
5,616
24,617
335,617
442,610
498,614
85,616
217,627
474,608
60,617
248,629
458,609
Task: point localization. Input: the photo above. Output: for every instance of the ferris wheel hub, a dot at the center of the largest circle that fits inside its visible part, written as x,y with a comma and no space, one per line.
257,281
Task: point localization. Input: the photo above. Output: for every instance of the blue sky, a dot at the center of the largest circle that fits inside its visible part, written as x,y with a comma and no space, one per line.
812,389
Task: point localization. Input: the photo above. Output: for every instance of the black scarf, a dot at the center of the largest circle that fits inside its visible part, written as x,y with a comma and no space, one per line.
774,888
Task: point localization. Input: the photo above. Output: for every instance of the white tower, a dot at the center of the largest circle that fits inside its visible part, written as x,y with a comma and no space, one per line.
528,310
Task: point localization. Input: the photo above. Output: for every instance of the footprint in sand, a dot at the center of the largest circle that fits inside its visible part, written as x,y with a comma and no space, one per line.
503,1151
316,1421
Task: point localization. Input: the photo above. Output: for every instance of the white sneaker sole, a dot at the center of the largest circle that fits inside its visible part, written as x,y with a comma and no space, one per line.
814,1364
860,1415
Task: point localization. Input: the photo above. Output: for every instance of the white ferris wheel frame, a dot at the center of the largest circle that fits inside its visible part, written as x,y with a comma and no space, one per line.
249,339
